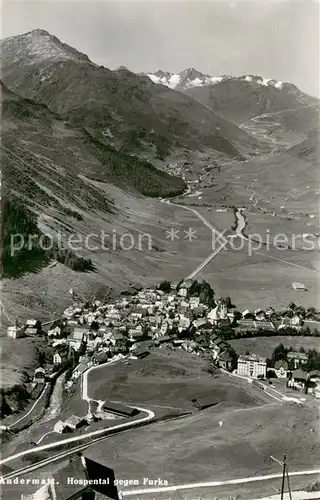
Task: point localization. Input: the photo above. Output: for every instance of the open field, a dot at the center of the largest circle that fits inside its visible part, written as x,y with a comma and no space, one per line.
18,360
197,448
267,227
264,490
264,346
265,277
169,378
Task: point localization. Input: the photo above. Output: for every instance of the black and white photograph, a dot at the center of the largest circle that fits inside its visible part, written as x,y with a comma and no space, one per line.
160,238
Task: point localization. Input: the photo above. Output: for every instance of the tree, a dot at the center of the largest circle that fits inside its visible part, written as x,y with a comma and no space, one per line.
306,332
41,357
165,286
229,303
279,354
94,326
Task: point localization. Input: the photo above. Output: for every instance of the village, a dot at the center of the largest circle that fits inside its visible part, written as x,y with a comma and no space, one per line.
181,315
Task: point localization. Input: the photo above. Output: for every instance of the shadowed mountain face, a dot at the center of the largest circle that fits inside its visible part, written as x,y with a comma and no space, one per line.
239,99
119,107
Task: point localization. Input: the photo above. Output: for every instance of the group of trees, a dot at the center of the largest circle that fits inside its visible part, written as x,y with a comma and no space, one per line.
20,229
200,289
280,353
70,259
139,174
203,290
165,286
231,333
18,224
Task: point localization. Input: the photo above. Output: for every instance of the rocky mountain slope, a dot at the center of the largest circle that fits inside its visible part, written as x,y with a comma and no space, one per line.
37,142
243,98
125,110
48,165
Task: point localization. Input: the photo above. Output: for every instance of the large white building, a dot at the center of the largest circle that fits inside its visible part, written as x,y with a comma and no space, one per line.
252,365
15,332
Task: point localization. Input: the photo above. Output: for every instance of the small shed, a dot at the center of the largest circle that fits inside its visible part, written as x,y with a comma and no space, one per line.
31,331
163,339
143,349
298,286
203,403
120,409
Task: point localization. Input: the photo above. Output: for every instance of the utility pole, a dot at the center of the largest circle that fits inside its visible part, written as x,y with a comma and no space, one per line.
283,475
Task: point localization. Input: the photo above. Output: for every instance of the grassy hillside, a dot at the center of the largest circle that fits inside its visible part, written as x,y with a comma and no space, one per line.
169,378
308,148
197,448
238,100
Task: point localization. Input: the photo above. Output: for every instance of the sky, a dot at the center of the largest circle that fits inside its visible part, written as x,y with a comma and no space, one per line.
272,39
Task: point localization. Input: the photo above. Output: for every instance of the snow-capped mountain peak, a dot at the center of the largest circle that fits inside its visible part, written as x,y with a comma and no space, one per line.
265,82
186,79
190,78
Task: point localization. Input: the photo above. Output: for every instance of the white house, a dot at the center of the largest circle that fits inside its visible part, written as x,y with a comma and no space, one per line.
57,359
194,302
59,427
32,323
215,351
171,298
14,332
54,332
184,323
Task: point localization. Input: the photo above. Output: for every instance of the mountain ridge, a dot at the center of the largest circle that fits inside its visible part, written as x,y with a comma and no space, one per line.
128,106
191,77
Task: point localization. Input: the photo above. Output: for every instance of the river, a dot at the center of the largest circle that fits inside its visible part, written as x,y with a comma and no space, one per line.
241,223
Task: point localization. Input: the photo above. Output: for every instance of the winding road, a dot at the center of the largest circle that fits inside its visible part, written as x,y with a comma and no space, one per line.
148,416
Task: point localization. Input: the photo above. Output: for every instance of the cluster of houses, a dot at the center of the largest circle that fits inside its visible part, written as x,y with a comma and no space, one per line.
293,370
97,412
174,316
